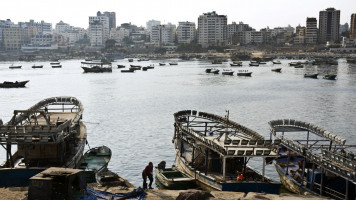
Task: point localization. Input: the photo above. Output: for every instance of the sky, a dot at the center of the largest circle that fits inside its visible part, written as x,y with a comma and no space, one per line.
257,13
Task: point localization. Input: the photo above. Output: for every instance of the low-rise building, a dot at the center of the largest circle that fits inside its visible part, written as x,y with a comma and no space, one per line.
163,34
299,38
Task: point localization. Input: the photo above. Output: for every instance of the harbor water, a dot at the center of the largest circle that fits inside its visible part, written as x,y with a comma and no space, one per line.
132,113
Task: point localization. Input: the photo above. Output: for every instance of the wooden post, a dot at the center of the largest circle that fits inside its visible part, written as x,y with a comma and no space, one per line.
224,167
263,169
206,160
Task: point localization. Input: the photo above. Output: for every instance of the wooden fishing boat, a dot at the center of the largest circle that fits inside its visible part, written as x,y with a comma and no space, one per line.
56,66
310,75
37,66
15,66
243,73
150,67
227,72
173,63
277,62
292,64
48,134
214,71
135,67
55,63
130,60
96,67
162,64
173,178
95,161
254,64
17,84
215,151
313,160
235,64
208,70
276,69
330,77
127,70
121,66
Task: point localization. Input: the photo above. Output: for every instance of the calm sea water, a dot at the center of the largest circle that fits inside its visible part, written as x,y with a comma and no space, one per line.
132,113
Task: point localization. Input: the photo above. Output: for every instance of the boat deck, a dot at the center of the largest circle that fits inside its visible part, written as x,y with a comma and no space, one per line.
53,117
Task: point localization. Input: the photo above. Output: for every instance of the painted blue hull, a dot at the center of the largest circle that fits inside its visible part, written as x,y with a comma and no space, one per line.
17,177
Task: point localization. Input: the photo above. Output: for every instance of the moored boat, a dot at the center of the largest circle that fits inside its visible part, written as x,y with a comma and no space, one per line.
215,151
278,69
235,64
243,73
277,62
214,71
329,77
216,62
16,84
227,72
121,66
96,67
162,64
173,178
15,66
254,64
95,161
127,70
55,63
173,63
37,66
313,160
130,60
48,134
310,75
298,66
56,66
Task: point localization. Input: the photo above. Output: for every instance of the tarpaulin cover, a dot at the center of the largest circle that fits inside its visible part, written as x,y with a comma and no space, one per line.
91,194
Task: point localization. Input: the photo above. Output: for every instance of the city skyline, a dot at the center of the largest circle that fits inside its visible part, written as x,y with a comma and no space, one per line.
257,13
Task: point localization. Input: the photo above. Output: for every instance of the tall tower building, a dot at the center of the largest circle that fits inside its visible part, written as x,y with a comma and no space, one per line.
311,32
329,22
212,29
353,27
111,16
105,22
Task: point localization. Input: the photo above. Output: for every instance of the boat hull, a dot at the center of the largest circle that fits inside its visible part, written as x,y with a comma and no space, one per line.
179,183
13,85
96,70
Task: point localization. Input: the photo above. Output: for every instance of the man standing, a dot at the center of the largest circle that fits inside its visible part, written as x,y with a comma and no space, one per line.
148,172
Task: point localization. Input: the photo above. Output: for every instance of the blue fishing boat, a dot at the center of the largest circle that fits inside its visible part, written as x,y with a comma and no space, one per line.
313,160
216,151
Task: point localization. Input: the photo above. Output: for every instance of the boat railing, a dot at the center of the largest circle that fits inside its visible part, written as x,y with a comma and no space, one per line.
306,126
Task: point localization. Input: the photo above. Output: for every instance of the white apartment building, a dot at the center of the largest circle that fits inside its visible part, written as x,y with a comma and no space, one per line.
163,34
329,22
105,21
62,27
152,23
212,29
42,27
186,32
72,36
118,34
96,33
311,31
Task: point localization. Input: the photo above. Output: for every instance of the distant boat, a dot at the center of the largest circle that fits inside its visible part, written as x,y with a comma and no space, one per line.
174,179
235,64
254,64
130,60
37,66
295,63
243,73
208,70
95,161
135,67
15,66
162,64
127,70
276,69
173,63
298,66
54,63
56,66
121,66
227,72
310,75
8,84
96,67
214,71
277,62
330,77
262,63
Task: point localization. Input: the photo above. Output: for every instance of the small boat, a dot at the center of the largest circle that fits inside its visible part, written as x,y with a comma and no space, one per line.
298,66
243,73
262,63
150,67
15,66
127,70
162,64
208,70
295,63
227,72
121,66
56,66
330,77
37,66
174,179
96,67
95,160
277,62
310,75
130,60
254,64
135,67
144,68
235,64
17,84
214,71
54,63
173,63
276,69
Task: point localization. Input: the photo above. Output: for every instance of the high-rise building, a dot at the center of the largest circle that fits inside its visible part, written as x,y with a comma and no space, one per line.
311,31
96,33
105,21
329,22
163,34
299,35
42,27
111,16
186,32
212,29
152,23
353,27
233,28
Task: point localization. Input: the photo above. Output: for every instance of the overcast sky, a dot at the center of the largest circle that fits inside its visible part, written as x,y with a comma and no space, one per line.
256,13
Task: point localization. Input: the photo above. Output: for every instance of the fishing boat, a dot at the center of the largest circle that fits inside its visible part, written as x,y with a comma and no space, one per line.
310,75
227,72
173,178
214,71
56,66
278,69
121,66
162,64
329,77
48,134
55,63
37,66
235,64
130,60
96,67
243,73
144,68
292,64
215,151
173,63
150,67
254,64
15,66
313,160
16,84
95,161
127,70
135,67
277,62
